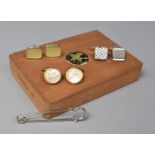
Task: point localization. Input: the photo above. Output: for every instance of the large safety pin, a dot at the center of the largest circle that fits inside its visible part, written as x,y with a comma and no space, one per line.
79,114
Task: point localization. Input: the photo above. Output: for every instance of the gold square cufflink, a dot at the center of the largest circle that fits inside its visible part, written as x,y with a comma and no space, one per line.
52,50
33,52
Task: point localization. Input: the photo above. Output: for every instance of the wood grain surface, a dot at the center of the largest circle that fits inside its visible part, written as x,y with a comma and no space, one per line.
100,77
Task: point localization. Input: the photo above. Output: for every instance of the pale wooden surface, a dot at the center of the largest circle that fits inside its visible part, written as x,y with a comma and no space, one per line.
100,78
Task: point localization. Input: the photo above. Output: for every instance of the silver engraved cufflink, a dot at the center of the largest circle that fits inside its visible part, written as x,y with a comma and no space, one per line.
101,53
118,54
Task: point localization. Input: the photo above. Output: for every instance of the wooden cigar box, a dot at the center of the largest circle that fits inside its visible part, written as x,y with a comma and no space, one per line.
100,77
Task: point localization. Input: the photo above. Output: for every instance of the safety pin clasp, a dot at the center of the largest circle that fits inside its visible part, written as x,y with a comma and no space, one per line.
77,114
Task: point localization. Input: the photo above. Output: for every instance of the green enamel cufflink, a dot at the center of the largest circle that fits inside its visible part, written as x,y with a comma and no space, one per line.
77,57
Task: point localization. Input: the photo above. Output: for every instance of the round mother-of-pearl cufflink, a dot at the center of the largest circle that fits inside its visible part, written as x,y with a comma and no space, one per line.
74,75
52,75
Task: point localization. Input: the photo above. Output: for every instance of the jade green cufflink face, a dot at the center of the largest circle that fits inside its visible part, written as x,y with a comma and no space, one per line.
33,52
77,57
53,51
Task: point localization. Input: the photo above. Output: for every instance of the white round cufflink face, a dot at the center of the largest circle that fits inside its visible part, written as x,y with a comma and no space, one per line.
74,75
52,75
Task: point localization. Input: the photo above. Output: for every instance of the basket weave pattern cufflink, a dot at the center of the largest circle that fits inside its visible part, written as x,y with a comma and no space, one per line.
101,53
118,54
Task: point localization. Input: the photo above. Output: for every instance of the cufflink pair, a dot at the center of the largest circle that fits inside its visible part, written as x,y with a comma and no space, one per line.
101,53
73,75
36,52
